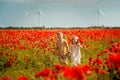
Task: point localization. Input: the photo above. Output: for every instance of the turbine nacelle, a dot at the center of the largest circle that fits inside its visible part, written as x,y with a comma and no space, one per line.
41,13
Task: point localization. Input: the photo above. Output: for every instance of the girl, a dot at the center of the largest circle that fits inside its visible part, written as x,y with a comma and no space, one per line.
75,51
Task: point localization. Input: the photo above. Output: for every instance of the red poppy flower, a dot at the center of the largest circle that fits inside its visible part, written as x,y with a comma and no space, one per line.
25,58
108,63
99,54
115,59
111,42
100,71
105,51
45,72
99,61
58,66
67,72
91,60
118,44
1,53
22,78
79,72
6,78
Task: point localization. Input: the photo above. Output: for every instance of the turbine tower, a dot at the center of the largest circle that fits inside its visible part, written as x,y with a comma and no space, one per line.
100,12
39,14
27,14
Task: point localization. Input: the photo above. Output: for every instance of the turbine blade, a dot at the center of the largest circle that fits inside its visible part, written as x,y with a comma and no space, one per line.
26,12
41,13
101,12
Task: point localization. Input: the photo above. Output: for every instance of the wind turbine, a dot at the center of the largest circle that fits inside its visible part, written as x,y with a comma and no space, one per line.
40,13
100,12
27,14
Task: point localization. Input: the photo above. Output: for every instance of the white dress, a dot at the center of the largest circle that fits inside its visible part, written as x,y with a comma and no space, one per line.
75,55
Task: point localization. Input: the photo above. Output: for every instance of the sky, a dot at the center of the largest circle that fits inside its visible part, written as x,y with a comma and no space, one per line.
59,13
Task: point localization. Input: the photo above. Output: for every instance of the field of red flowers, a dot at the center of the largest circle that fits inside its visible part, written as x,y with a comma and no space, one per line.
29,55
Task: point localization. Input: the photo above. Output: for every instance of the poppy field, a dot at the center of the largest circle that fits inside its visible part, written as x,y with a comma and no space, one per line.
29,54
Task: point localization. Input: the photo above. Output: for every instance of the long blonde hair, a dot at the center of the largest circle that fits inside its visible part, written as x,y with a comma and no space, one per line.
77,39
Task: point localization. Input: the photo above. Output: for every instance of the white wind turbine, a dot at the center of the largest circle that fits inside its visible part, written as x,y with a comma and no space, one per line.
39,14
100,12
27,14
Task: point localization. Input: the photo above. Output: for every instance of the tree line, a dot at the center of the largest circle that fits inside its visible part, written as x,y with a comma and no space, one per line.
43,27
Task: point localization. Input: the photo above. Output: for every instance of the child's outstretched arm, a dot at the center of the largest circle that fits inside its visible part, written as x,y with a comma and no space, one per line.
68,50
80,45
